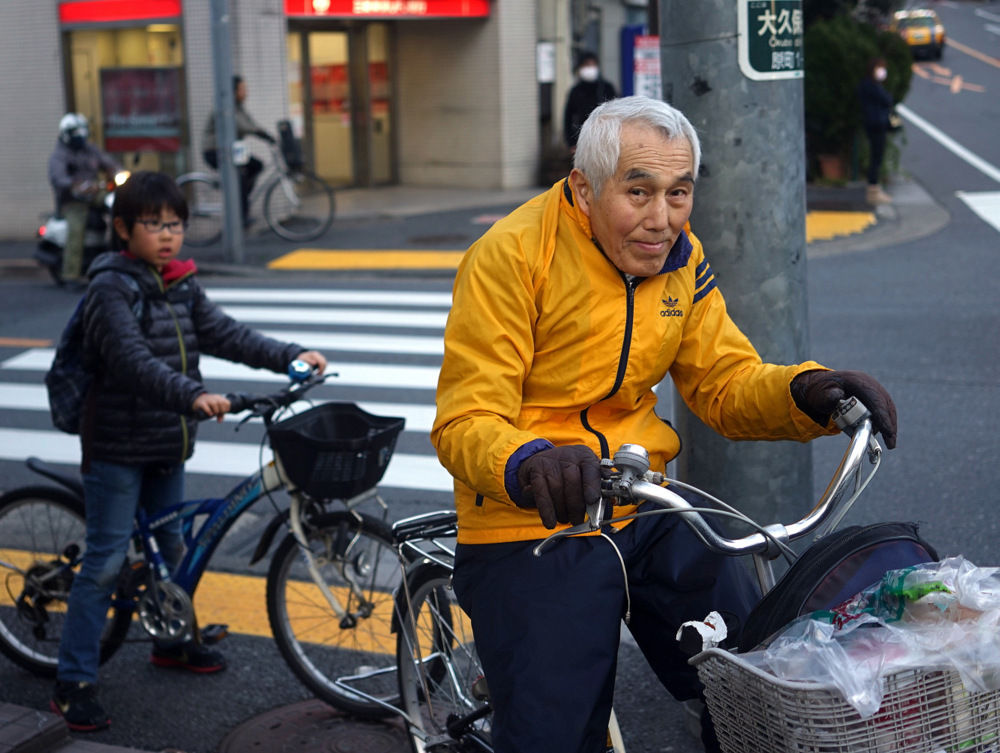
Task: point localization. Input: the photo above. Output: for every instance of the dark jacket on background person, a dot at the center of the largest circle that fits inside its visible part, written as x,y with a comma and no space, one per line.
876,104
69,167
582,99
139,408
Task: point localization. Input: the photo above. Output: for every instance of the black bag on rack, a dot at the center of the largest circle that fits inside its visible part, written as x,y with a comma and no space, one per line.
831,571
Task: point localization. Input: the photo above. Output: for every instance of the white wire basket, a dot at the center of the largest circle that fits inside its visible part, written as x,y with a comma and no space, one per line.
923,711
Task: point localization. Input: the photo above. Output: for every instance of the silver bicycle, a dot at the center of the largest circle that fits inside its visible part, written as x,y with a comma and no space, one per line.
297,204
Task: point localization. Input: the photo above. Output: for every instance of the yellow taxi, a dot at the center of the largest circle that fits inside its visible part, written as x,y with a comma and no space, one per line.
922,30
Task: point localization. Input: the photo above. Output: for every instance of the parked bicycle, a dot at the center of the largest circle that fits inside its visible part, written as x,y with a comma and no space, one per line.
330,586
297,204
443,695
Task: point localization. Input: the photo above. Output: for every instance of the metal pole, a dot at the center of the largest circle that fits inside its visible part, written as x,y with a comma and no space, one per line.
225,131
749,212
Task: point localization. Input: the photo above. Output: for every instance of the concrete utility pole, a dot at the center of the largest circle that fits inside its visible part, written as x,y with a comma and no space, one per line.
225,131
734,68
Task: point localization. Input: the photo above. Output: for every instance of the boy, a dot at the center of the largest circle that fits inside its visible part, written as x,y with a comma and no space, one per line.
140,417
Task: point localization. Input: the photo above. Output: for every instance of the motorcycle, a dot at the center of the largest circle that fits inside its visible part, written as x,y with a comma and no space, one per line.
96,239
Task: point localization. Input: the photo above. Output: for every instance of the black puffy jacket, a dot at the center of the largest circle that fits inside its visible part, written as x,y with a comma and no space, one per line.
147,367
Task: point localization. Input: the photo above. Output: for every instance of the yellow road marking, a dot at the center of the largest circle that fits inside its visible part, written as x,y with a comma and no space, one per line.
240,602
24,342
307,258
974,53
821,226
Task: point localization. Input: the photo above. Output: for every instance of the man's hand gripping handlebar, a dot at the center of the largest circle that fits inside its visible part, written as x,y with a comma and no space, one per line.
628,480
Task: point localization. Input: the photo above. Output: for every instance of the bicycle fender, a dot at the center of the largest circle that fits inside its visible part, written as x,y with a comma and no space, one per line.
267,537
74,485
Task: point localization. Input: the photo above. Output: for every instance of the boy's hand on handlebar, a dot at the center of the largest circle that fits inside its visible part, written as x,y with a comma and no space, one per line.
559,482
314,358
208,404
817,393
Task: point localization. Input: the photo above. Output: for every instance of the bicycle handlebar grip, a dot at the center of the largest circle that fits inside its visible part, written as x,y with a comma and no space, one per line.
238,401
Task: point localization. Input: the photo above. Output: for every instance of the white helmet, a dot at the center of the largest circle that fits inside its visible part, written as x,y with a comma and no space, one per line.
72,124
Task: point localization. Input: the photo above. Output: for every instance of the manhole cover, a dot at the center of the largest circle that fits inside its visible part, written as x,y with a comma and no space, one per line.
313,727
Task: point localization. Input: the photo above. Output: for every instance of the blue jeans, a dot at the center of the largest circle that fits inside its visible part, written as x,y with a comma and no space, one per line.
112,494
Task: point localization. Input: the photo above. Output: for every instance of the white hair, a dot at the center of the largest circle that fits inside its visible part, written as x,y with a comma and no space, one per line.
598,147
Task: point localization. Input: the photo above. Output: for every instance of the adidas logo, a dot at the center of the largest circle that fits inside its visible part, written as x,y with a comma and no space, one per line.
670,307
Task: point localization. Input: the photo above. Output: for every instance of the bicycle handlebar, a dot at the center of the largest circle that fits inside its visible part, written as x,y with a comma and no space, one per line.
632,482
263,405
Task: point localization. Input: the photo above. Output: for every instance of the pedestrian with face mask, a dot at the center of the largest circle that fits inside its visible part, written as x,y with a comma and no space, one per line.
876,107
590,91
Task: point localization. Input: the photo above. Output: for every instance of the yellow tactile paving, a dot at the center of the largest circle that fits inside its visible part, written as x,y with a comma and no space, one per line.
819,226
308,258
822,226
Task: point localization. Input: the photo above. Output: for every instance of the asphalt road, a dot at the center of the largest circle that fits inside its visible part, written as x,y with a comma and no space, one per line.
921,316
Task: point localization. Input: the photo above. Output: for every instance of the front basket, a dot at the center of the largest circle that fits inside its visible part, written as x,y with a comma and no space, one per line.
335,450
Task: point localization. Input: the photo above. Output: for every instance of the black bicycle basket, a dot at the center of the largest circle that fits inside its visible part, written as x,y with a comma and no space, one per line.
335,450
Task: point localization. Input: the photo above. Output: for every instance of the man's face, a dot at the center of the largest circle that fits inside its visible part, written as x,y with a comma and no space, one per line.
646,203
241,92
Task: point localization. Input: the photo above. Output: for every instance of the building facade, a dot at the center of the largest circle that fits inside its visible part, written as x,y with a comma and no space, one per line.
418,92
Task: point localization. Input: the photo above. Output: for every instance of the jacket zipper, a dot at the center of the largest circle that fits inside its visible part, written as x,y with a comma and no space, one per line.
183,353
623,357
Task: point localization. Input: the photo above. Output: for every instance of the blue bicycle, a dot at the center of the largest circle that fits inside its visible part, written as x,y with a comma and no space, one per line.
330,583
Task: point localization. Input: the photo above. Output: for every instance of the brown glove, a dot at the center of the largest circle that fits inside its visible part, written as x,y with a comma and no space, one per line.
559,482
816,393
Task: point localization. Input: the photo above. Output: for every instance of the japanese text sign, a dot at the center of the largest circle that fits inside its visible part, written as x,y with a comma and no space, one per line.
770,39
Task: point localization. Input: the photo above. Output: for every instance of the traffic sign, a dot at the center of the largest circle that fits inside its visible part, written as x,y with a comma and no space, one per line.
770,39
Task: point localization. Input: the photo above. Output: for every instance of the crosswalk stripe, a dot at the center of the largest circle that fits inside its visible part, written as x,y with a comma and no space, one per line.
984,203
367,343
405,471
395,376
33,397
356,317
300,296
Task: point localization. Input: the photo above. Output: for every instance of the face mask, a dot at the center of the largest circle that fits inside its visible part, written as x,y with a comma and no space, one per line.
880,74
589,73
77,142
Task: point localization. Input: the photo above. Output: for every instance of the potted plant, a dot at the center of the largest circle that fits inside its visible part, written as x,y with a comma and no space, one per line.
837,51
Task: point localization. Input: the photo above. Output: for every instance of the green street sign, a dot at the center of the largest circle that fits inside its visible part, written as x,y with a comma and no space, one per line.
770,39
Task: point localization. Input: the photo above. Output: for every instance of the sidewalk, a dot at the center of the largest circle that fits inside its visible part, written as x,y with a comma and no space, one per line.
839,221
913,215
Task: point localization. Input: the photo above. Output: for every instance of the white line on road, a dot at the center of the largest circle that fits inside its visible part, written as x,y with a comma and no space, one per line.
987,15
299,296
405,471
949,143
32,397
984,203
358,317
366,343
400,377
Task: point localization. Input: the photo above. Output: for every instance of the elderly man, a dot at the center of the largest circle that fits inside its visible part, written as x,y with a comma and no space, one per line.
566,315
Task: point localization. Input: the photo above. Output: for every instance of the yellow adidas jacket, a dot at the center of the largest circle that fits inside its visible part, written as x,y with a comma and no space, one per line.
549,344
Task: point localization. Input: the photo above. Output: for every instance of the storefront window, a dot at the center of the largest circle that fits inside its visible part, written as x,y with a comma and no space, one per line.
129,84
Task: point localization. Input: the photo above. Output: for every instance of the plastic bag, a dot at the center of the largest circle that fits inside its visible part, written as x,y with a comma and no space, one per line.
940,615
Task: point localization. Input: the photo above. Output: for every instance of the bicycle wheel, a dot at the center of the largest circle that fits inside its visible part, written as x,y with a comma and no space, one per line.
204,198
358,563
299,206
42,537
441,683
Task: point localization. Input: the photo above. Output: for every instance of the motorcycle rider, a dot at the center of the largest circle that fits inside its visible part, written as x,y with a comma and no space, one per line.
74,172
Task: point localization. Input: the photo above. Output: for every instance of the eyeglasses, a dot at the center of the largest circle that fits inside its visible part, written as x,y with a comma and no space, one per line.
156,226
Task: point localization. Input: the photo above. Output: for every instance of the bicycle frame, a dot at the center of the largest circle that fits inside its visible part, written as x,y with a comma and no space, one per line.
201,544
